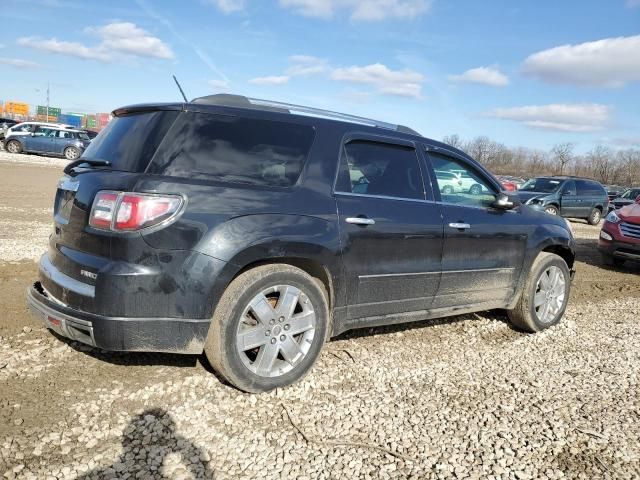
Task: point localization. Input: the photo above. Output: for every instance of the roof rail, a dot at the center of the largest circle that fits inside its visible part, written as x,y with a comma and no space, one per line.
246,102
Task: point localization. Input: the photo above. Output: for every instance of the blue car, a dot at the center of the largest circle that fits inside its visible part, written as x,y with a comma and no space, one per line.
50,140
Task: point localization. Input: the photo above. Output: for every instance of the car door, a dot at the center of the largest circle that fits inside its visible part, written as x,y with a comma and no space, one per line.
390,228
585,199
61,140
484,248
570,201
40,139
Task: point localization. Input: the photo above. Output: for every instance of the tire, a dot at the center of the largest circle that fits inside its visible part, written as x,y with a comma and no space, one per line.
447,189
71,153
595,217
13,146
264,287
526,315
475,189
551,209
612,261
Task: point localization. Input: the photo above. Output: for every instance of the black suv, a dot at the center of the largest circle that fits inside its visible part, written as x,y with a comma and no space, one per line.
570,197
254,231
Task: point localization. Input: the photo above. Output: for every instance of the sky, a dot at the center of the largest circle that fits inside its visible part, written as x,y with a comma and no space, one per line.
527,73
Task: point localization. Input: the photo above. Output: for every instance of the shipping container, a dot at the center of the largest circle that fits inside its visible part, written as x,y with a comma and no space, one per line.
71,119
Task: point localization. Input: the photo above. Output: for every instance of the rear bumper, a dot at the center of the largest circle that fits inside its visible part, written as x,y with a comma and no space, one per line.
118,333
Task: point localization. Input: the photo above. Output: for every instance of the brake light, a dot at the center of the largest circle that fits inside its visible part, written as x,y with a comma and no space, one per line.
124,211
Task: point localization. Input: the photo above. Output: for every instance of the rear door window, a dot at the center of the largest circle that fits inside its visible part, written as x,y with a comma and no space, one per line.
380,169
129,142
235,149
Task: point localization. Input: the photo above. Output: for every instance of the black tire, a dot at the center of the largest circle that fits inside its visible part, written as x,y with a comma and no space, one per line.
475,189
612,261
13,146
447,189
595,216
524,315
220,347
71,153
551,209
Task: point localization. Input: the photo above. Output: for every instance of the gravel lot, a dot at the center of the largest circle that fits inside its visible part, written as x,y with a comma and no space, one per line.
465,397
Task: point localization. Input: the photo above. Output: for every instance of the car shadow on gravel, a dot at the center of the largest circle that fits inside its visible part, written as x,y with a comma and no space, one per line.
150,447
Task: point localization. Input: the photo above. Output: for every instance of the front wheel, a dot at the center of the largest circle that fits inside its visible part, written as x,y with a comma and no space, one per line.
545,294
71,153
447,189
14,146
475,189
268,328
612,261
551,209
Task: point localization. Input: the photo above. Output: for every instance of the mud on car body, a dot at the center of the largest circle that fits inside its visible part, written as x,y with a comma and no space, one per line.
254,231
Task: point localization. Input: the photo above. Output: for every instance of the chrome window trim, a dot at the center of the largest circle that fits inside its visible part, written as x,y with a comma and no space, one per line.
384,197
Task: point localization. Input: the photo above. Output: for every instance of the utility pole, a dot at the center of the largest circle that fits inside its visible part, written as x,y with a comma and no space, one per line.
47,102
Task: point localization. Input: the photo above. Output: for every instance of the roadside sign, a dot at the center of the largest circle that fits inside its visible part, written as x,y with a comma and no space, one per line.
53,111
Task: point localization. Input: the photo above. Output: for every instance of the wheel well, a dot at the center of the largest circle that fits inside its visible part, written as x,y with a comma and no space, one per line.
312,267
599,207
564,252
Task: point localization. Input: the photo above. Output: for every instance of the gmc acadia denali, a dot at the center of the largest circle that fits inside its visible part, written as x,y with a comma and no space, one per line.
254,231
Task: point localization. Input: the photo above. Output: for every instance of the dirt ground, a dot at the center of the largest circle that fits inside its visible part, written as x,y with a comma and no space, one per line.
67,410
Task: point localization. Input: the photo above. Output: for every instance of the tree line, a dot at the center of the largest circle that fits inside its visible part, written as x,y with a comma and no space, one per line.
602,163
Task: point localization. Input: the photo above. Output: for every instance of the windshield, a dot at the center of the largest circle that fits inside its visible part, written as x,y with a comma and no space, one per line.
129,142
544,185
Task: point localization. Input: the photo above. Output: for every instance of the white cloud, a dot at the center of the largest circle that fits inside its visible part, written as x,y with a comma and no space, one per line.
611,62
360,10
404,83
304,65
219,84
484,75
117,39
228,6
565,117
19,63
270,80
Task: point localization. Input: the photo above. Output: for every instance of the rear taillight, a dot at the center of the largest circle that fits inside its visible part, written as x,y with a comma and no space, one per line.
125,212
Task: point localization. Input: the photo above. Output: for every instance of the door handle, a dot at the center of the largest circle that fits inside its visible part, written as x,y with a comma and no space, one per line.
460,226
360,221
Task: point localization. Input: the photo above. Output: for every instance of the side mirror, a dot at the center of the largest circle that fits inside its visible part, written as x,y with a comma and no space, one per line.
506,202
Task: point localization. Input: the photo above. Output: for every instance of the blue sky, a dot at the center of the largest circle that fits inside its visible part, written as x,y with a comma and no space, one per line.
528,73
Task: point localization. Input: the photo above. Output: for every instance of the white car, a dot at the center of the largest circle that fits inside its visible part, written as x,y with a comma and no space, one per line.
449,182
27,128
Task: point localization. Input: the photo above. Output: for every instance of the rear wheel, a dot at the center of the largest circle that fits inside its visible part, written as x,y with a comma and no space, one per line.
475,189
14,146
595,217
545,294
71,153
447,189
551,209
268,328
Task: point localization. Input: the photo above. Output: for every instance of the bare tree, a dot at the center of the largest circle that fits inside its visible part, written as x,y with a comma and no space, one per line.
454,141
600,159
562,154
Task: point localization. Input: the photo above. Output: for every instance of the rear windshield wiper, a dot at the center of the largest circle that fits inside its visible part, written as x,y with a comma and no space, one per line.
93,163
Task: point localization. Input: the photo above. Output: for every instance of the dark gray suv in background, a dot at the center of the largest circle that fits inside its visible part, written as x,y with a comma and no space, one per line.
254,231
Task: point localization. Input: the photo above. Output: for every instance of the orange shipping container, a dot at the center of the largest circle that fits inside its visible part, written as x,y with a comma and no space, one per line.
17,108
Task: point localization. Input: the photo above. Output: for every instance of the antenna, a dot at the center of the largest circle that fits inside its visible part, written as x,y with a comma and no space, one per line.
180,88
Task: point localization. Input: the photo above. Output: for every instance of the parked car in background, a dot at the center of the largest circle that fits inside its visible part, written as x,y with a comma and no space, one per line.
614,191
620,235
517,181
50,140
27,128
508,185
91,133
5,124
570,197
235,227
627,198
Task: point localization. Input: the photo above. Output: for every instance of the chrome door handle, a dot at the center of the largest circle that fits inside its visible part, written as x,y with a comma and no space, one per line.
460,226
360,221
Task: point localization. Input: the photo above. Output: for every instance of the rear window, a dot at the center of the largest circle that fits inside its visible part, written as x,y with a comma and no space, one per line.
234,149
130,141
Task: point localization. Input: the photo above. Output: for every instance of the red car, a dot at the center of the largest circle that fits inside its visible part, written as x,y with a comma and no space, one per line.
620,235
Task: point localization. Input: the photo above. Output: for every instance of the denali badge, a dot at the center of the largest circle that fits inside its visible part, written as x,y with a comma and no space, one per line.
91,275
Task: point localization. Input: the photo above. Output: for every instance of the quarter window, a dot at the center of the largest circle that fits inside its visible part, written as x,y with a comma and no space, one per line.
459,184
380,169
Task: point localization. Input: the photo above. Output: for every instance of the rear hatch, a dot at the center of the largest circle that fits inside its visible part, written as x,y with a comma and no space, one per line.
118,156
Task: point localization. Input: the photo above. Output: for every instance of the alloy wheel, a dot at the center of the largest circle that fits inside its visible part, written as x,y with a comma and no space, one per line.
276,331
550,294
